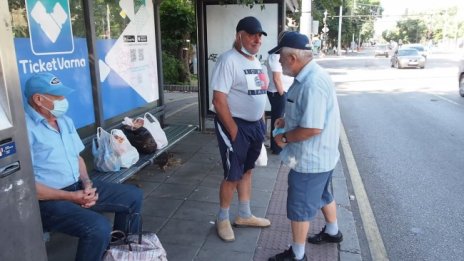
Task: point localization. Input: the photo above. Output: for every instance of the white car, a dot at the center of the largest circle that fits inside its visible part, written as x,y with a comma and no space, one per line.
461,77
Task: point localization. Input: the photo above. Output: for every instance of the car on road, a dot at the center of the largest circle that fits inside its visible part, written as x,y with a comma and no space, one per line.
381,50
461,77
419,47
407,58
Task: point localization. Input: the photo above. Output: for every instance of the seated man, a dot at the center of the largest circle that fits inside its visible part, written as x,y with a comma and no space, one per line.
69,202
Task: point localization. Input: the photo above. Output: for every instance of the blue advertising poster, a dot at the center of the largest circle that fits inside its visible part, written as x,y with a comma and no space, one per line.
118,96
128,69
52,48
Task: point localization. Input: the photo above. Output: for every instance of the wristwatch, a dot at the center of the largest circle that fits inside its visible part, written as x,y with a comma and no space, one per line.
284,138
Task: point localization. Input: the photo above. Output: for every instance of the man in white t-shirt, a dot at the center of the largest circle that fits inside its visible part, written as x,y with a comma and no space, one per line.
239,98
277,91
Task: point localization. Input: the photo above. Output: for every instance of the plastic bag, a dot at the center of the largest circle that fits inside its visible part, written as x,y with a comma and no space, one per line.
141,139
139,136
153,126
104,157
127,154
262,159
139,246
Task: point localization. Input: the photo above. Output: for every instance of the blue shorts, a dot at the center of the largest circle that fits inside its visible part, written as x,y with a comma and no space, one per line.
307,193
240,155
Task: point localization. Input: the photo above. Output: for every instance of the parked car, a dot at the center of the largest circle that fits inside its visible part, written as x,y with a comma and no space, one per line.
461,77
419,47
407,58
381,50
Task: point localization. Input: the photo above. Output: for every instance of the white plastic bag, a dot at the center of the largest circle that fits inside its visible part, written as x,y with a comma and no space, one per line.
127,154
104,157
154,127
262,159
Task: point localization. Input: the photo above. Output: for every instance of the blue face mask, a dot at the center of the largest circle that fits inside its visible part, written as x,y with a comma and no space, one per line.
60,107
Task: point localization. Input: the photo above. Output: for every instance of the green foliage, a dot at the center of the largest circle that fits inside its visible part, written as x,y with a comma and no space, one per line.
358,20
173,70
434,25
249,3
178,31
109,23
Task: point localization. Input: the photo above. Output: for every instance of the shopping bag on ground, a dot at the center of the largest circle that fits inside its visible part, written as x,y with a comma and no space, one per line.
104,157
141,246
154,127
127,154
262,159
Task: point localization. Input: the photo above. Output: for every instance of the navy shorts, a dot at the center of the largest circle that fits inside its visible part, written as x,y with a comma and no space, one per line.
307,193
240,155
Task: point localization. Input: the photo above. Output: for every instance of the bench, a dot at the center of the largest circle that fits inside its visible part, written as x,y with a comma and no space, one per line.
174,133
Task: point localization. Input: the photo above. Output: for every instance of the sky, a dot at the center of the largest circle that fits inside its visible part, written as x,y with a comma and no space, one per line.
398,6
393,9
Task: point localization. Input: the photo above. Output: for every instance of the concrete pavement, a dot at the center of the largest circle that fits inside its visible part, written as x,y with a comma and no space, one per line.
181,203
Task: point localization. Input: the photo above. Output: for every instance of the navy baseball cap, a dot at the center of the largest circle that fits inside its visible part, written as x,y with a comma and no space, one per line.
293,40
45,83
250,25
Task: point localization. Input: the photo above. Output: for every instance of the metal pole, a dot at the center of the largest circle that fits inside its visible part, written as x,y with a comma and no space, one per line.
340,32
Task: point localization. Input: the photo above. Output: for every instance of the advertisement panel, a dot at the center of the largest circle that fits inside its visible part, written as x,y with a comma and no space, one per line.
50,46
126,51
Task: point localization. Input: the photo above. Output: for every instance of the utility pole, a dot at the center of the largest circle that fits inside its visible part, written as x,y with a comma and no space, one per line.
339,49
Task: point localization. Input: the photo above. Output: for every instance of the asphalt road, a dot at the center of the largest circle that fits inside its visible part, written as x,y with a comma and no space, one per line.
405,128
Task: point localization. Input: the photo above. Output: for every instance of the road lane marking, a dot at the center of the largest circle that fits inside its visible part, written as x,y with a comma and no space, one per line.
181,109
446,99
374,239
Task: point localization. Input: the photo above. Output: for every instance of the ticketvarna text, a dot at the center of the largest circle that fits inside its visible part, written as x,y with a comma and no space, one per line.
54,64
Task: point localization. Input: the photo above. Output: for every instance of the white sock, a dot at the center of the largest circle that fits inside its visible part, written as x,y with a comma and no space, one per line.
298,250
331,228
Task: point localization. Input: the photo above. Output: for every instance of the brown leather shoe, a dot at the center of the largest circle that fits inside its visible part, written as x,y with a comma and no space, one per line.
224,230
251,222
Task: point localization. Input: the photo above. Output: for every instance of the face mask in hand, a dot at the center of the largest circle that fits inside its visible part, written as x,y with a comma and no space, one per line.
60,107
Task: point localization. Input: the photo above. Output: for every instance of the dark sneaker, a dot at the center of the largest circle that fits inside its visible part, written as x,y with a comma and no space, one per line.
323,238
287,255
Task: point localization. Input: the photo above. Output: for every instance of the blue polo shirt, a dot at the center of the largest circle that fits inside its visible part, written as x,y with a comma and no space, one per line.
312,103
54,154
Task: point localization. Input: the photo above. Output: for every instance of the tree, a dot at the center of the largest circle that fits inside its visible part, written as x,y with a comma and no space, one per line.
358,18
431,25
178,30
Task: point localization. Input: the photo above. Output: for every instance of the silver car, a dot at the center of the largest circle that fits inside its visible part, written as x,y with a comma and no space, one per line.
407,58
461,77
419,47
381,50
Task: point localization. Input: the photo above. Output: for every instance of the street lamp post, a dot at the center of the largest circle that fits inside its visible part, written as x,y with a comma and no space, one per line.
325,29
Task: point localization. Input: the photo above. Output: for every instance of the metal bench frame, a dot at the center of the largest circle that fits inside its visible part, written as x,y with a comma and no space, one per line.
174,133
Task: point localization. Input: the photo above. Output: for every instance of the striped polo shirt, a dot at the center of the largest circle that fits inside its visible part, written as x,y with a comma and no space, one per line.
312,103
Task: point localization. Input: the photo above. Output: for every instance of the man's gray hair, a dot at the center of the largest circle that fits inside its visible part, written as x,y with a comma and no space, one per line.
302,55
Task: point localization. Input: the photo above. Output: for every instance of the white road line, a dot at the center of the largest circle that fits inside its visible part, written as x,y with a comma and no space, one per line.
181,109
446,99
374,239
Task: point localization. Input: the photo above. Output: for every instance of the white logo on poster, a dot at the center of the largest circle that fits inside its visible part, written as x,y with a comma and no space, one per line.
51,23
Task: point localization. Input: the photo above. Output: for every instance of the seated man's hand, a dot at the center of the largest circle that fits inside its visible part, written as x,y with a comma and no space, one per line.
85,198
